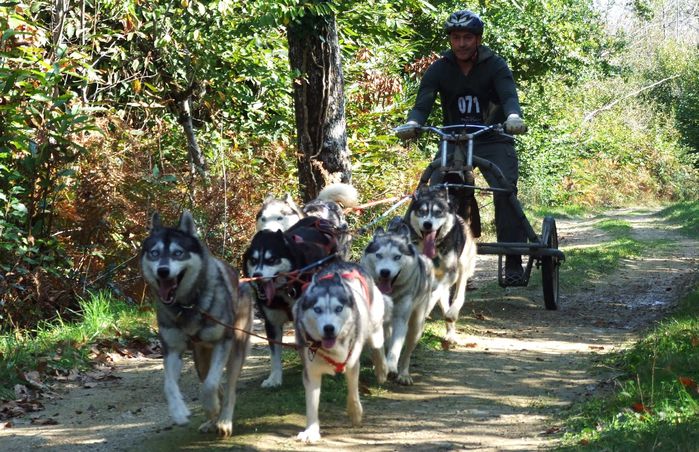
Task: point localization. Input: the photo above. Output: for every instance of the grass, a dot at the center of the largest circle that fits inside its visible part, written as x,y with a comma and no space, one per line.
685,214
58,347
655,405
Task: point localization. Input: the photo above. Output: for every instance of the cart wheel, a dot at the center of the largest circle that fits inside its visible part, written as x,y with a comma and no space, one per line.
550,264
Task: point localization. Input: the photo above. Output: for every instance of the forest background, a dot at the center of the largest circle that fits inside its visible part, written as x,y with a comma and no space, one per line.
100,99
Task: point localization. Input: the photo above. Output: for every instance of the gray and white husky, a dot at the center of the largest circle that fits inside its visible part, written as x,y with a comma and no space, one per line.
444,237
406,275
194,292
339,311
282,213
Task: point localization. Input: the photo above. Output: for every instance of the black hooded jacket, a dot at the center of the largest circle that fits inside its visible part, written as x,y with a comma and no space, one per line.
486,95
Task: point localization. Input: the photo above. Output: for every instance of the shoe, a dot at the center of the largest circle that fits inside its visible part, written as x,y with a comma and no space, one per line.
514,273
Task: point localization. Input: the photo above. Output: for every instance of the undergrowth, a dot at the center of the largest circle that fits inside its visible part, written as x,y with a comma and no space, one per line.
655,404
57,347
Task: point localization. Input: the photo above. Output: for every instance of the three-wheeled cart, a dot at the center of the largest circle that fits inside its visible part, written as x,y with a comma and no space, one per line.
453,168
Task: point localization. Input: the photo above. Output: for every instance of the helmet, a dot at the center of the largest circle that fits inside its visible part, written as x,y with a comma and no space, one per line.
464,20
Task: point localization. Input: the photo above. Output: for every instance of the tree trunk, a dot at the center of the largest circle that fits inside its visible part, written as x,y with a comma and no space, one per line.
319,104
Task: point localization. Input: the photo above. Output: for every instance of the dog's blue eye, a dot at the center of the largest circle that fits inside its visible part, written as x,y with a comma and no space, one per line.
317,310
338,309
154,253
396,257
379,256
177,253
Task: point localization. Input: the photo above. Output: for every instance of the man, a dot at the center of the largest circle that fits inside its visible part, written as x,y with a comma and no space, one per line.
476,87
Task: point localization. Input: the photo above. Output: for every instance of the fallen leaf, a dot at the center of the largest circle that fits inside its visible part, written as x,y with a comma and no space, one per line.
640,408
44,421
688,383
596,347
4,425
695,341
471,345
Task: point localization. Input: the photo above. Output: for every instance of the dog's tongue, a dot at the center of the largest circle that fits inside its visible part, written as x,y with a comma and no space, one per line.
166,290
429,247
269,290
384,285
328,342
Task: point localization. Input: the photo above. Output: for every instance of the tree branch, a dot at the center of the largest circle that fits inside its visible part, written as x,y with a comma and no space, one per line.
609,106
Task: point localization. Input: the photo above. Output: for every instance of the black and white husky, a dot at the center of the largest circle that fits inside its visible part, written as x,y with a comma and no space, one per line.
339,311
405,274
197,293
269,259
444,237
282,213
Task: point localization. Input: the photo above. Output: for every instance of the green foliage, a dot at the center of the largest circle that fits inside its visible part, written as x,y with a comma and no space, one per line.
58,347
685,214
680,94
656,402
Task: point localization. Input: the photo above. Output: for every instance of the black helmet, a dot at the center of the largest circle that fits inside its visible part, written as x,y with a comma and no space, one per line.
464,20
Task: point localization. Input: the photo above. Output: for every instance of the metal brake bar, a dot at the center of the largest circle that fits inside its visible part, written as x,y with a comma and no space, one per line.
491,189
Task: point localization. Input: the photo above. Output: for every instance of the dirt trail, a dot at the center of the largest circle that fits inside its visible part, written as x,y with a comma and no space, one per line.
501,390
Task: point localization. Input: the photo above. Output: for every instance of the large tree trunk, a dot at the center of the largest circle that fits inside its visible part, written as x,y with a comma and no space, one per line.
319,104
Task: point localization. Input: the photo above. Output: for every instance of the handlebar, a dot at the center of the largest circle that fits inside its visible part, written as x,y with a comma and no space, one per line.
456,132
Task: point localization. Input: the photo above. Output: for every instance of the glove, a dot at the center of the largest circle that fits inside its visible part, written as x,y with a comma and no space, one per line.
515,125
407,131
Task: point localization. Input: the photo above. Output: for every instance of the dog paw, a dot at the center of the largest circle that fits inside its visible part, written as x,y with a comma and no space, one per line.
381,375
309,436
210,401
273,381
355,412
224,428
180,414
452,313
404,379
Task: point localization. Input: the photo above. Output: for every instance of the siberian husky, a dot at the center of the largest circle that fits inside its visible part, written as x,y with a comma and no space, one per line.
271,256
282,213
196,294
339,311
401,271
444,237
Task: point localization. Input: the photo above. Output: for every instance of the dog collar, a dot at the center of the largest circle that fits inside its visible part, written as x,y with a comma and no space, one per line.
316,349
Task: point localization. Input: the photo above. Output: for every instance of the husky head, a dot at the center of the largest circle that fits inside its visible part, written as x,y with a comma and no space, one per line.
267,256
278,214
327,210
431,217
327,310
388,253
172,258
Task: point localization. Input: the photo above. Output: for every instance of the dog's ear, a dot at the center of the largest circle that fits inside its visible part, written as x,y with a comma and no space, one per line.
371,247
404,230
187,223
155,223
336,279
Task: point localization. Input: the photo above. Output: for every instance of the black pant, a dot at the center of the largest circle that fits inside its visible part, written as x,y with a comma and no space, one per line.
501,152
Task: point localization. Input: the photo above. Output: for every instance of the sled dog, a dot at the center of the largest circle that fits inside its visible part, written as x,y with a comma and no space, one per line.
194,292
282,213
444,237
401,271
339,311
271,256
